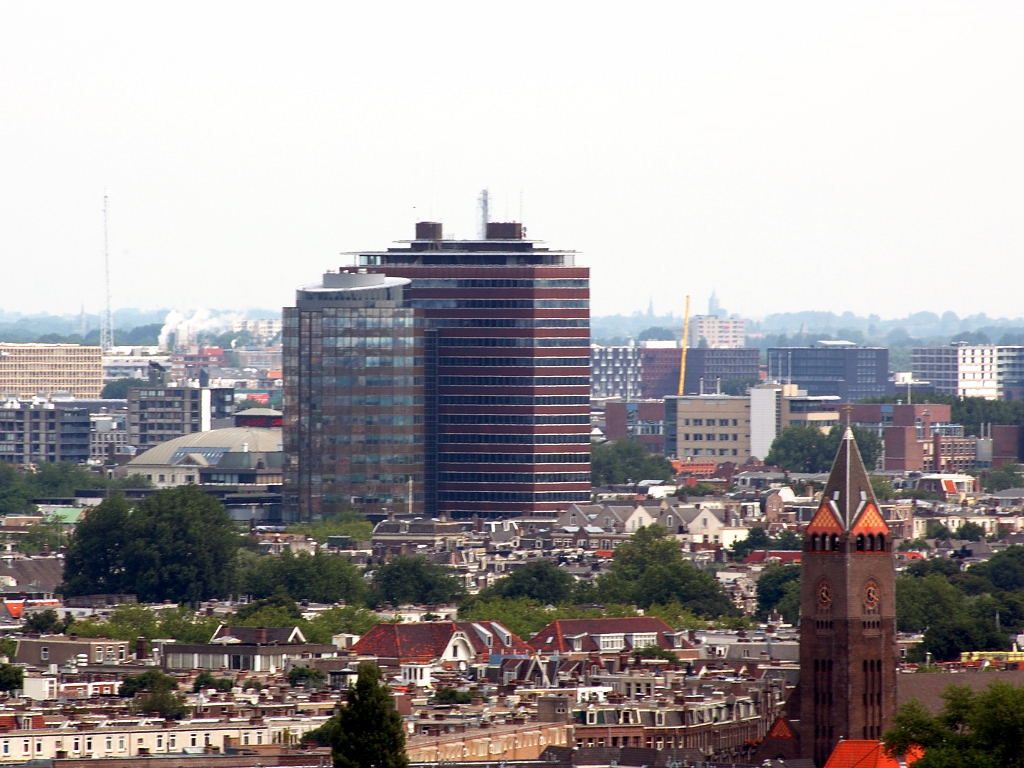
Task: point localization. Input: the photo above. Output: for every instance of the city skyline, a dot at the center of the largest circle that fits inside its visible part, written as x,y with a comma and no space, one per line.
859,150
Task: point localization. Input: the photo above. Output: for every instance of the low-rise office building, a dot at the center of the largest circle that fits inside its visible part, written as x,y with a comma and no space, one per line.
708,426
39,431
158,414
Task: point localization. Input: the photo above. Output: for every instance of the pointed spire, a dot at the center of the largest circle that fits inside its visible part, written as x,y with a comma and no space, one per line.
849,487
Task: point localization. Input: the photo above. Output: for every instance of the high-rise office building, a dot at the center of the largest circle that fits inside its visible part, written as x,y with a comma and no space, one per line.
507,368
353,397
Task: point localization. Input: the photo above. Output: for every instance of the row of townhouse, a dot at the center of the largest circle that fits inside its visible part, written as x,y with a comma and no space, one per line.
132,738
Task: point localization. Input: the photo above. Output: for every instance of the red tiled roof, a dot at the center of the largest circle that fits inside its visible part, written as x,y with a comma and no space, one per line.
425,641
552,638
858,753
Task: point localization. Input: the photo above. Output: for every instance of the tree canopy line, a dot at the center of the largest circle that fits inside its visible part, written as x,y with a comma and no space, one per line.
957,611
180,545
622,461
57,480
977,729
803,448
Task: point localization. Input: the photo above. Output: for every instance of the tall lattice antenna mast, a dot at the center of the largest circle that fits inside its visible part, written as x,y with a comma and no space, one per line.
107,321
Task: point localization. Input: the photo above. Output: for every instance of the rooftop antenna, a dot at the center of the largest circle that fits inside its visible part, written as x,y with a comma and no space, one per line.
106,321
485,212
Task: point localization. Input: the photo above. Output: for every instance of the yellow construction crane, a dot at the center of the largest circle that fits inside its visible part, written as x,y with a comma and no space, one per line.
685,344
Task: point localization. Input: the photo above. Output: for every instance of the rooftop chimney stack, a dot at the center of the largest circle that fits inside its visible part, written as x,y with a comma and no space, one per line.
504,230
429,230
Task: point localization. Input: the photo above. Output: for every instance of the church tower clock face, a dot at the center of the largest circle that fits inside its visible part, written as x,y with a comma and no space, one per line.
872,596
824,594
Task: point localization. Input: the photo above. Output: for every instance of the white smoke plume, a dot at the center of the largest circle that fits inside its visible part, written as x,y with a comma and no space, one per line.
186,326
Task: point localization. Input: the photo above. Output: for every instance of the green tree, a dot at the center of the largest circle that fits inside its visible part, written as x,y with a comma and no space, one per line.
128,622
788,541
8,647
178,544
181,547
94,562
413,579
882,488
868,443
150,681
46,536
981,730
803,448
914,545
757,538
520,614
656,652
970,532
933,529
1008,476
306,676
280,601
164,703
925,601
623,460
800,448
324,736
205,680
11,677
15,496
649,569
771,587
321,578
45,622
349,619
452,696
118,389
370,732
344,523
538,580
656,333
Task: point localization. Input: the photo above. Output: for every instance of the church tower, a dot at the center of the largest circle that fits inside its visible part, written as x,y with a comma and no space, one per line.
847,613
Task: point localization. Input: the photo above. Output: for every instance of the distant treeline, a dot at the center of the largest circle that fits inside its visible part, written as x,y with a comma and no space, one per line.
919,328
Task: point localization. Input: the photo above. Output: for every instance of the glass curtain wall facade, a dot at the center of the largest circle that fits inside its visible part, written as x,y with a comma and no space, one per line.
353,398
507,325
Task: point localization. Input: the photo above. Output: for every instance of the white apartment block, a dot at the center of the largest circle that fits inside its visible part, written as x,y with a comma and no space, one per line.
970,370
718,332
259,329
615,372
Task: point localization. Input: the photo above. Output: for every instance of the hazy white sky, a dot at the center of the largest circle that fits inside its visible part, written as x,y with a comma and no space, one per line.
864,156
